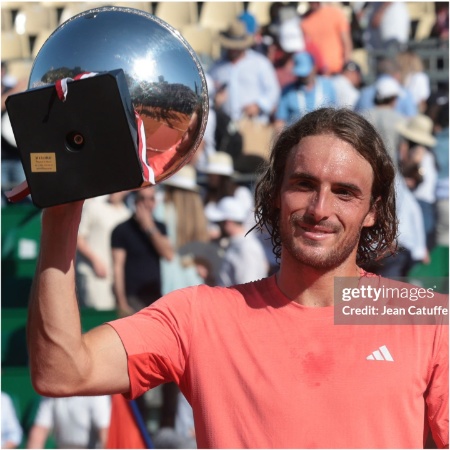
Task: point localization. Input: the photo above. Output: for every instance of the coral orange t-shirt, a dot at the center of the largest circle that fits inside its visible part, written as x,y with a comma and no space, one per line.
324,28
261,371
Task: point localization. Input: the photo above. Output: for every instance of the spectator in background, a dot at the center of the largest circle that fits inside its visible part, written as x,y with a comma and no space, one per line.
12,170
138,244
347,85
387,67
244,259
411,238
94,266
245,81
327,27
11,429
414,79
419,168
441,151
291,40
440,28
384,117
389,26
208,144
221,183
75,422
181,211
307,93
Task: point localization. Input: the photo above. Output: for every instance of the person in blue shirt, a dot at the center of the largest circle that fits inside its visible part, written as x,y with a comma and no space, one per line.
308,92
405,105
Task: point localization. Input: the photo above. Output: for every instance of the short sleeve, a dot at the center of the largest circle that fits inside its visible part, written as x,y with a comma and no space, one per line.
157,340
437,393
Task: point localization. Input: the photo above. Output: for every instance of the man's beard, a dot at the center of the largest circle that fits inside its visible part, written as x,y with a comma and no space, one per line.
304,250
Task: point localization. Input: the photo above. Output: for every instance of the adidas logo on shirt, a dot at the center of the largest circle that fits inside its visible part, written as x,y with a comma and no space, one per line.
382,354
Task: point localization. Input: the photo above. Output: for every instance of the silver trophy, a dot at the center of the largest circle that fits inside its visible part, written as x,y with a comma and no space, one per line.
160,84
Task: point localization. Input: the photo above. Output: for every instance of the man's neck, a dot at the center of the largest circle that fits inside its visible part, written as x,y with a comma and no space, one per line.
313,287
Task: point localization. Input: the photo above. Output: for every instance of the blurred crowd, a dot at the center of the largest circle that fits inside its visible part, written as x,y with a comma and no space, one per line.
197,226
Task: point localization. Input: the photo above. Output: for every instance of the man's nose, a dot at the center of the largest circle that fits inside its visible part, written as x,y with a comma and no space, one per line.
320,205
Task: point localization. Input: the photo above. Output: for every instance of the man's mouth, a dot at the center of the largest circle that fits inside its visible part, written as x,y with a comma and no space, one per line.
316,232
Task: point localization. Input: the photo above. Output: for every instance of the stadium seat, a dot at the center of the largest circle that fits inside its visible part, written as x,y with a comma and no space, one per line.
177,14
143,6
74,8
418,9
14,46
201,39
20,68
361,57
424,26
33,18
261,11
6,19
219,15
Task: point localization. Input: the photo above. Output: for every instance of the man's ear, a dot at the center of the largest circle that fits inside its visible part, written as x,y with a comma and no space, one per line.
371,217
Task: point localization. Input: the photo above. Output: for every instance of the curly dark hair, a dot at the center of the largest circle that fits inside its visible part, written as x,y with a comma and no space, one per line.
376,241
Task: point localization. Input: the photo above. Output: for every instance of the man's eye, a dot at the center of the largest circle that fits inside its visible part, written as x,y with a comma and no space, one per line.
345,193
305,185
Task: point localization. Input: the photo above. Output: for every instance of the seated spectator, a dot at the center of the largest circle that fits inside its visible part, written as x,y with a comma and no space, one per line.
389,25
11,429
442,189
291,40
440,27
411,238
12,169
181,211
419,168
245,81
208,144
75,422
347,85
244,259
384,116
221,183
387,67
414,79
307,93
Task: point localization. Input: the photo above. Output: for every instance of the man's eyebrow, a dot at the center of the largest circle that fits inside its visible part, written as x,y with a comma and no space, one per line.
307,176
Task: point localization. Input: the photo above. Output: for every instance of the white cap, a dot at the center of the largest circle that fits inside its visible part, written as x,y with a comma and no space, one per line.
220,163
387,87
229,208
185,178
290,36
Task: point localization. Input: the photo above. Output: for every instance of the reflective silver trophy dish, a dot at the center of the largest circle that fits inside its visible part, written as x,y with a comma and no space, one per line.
130,79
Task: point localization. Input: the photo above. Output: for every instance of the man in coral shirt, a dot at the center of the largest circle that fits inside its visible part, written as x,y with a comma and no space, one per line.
327,27
267,364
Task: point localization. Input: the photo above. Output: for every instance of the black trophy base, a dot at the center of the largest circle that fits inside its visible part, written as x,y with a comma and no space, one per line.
81,148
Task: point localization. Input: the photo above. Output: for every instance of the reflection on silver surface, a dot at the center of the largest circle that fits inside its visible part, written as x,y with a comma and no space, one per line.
164,76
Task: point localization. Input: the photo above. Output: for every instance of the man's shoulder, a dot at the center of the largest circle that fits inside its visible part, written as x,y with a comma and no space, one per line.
208,301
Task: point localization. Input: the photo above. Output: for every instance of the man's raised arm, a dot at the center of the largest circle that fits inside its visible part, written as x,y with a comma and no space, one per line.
63,361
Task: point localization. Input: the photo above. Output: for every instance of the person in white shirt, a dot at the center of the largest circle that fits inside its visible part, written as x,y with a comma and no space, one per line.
76,422
11,429
417,134
246,80
244,259
347,84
